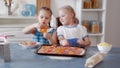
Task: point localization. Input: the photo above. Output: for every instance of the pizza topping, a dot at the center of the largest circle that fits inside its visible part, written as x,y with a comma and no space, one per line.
61,50
28,43
43,30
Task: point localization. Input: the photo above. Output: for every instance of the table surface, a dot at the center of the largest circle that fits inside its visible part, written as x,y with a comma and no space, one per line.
26,58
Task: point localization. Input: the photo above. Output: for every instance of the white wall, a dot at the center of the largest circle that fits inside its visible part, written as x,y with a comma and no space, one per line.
113,22
56,4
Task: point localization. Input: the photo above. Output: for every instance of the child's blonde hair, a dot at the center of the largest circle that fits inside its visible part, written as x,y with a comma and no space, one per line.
70,9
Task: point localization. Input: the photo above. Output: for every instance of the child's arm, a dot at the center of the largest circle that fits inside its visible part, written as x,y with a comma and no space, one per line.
30,29
86,41
63,41
52,38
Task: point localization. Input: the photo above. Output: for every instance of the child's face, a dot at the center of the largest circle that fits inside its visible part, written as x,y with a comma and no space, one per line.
65,17
44,17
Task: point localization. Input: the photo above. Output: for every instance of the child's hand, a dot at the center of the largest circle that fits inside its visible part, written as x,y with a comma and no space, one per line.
42,28
81,42
64,43
47,35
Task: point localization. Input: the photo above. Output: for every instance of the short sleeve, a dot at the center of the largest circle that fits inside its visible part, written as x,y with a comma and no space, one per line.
51,30
84,32
60,31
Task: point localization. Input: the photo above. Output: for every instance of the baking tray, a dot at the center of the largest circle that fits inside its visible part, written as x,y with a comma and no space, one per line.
81,54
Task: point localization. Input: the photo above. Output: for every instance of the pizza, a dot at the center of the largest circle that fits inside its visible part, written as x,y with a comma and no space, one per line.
28,44
61,50
43,30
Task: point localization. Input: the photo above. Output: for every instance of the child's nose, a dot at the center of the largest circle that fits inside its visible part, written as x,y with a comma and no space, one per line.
43,19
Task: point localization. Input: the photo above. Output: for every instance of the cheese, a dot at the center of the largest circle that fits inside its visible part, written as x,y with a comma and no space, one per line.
104,44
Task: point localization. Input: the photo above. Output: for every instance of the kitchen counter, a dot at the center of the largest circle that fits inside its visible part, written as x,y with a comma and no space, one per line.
26,58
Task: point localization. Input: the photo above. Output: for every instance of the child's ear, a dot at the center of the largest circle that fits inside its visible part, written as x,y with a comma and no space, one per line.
72,14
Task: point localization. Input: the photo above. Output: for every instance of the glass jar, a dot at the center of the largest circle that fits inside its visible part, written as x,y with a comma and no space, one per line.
95,27
86,24
95,4
87,4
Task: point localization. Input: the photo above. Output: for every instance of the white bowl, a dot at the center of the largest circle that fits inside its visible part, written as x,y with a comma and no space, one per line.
104,49
29,46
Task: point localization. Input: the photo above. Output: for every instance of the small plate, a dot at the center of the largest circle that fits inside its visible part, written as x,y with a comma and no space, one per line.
29,44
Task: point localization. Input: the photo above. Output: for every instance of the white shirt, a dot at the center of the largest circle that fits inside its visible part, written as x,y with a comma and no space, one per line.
70,32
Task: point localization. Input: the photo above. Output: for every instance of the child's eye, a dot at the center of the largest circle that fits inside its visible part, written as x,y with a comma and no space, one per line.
41,17
62,15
